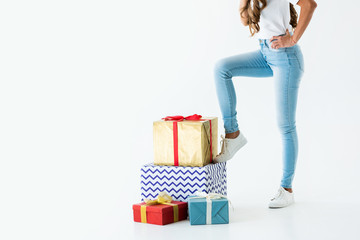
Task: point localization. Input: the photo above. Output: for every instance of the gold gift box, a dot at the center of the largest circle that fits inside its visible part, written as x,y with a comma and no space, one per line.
193,139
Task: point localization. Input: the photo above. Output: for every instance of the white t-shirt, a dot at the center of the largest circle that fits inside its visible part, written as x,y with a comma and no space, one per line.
275,18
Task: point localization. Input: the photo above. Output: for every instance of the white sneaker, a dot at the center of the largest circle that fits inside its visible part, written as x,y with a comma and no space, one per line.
229,147
283,198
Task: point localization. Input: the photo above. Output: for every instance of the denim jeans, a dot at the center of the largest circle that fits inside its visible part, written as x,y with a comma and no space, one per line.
286,66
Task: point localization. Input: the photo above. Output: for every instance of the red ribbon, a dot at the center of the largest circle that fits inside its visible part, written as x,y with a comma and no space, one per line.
179,118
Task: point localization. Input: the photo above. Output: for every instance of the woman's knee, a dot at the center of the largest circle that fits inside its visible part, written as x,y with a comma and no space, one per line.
286,128
221,69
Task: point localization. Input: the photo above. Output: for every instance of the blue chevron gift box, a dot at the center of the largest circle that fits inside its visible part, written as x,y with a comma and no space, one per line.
181,182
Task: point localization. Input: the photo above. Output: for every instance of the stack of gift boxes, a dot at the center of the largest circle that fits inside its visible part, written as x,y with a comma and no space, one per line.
183,179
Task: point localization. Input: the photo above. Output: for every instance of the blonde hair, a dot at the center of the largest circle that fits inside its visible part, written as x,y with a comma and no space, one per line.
253,14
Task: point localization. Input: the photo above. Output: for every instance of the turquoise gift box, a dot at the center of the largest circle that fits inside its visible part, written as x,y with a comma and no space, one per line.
208,211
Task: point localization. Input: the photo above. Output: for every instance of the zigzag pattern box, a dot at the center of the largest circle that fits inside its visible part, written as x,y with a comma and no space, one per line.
181,182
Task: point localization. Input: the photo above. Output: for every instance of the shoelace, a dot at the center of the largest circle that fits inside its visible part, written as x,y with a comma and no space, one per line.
278,194
223,143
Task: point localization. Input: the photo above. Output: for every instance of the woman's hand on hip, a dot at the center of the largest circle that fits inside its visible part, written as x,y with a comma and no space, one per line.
282,41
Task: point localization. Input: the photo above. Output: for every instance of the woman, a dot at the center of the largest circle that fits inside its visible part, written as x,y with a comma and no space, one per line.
272,22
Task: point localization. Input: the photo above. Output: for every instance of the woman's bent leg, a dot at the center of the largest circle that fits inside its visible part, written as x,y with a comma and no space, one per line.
250,64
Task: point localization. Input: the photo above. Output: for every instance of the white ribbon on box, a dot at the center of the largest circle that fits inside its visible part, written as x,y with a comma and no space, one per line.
209,197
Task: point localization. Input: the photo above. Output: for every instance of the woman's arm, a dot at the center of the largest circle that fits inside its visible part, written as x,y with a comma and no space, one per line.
306,12
244,18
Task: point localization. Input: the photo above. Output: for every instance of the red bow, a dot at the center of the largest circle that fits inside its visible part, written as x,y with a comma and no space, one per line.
182,118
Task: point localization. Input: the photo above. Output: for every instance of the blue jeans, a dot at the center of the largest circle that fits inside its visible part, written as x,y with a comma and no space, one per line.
286,65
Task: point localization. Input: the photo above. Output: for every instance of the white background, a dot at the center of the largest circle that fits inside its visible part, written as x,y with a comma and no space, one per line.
82,81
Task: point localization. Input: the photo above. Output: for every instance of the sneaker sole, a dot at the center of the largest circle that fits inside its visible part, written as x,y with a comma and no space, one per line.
273,207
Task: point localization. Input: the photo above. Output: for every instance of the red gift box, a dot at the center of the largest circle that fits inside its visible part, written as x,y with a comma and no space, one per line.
160,214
